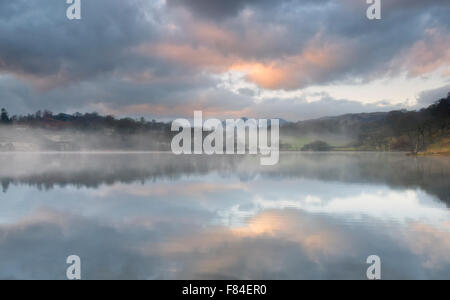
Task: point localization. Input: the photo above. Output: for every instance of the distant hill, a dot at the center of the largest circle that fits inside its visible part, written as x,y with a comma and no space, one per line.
403,130
427,130
345,124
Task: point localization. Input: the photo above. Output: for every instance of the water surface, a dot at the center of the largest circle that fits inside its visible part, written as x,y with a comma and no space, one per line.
160,216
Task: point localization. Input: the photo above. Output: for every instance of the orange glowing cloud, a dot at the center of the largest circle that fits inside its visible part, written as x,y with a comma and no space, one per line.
294,71
216,50
315,238
286,72
267,76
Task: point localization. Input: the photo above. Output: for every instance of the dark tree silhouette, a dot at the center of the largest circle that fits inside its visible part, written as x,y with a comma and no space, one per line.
4,117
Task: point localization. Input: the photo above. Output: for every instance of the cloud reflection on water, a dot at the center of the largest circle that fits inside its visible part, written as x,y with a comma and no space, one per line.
238,221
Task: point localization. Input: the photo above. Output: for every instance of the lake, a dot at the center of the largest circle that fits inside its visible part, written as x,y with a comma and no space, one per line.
161,216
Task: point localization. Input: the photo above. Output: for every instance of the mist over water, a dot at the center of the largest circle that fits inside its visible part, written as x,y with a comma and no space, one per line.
25,139
161,216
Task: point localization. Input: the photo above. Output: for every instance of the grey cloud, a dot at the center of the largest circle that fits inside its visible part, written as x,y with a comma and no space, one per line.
20,98
195,94
373,49
217,9
300,109
427,98
38,41
83,63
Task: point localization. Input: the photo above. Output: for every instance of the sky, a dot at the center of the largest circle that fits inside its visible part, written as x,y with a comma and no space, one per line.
164,59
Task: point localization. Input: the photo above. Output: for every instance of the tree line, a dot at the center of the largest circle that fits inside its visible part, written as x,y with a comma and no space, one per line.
78,121
402,130
412,131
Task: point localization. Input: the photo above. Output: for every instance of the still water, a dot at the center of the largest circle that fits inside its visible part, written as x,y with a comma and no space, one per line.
160,216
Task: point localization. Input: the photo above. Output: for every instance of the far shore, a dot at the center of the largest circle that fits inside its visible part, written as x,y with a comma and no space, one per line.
431,153
426,153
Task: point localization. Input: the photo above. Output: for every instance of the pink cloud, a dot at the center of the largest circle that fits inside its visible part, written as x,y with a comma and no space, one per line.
313,63
429,55
185,109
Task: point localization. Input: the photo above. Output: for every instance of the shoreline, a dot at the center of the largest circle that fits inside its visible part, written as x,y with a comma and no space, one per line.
170,152
431,153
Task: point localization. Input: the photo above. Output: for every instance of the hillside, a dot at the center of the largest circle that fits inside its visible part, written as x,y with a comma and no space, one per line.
412,131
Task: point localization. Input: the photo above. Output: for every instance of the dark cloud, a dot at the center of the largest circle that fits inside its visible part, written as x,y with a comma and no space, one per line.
49,62
39,43
217,9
